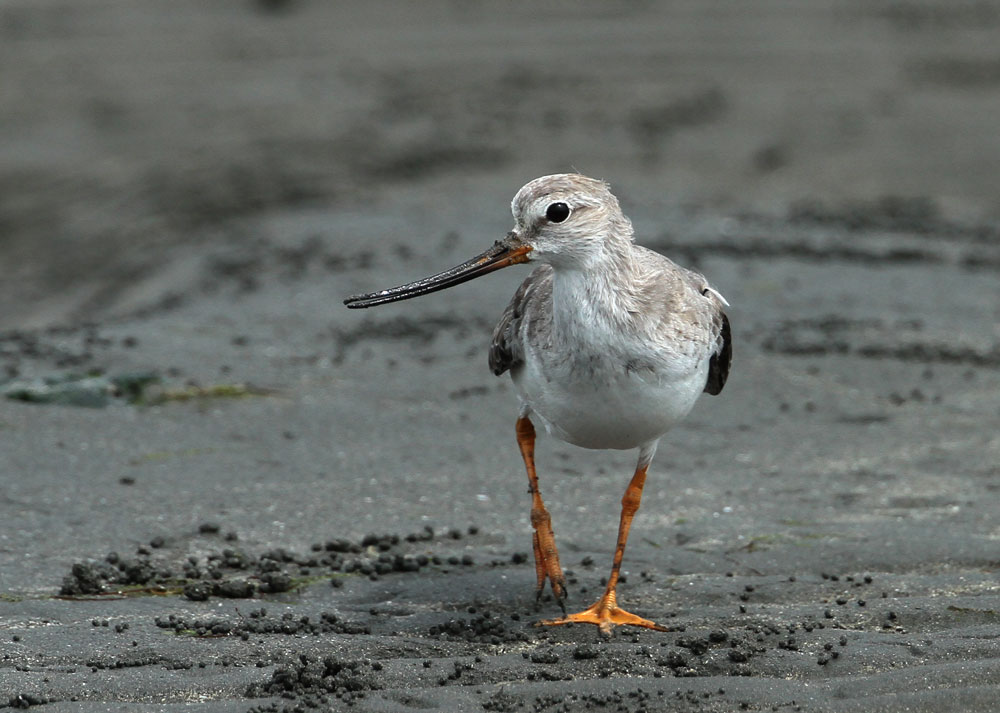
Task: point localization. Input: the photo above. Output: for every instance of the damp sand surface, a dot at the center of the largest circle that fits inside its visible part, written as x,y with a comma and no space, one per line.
221,489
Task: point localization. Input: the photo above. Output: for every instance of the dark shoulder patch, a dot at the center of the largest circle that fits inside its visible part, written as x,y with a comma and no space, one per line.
501,356
718,366
506,350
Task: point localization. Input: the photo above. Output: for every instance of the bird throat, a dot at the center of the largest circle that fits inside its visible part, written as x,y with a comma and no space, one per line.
588,307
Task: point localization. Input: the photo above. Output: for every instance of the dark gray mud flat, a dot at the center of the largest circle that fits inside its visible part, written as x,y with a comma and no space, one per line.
196,438
456,637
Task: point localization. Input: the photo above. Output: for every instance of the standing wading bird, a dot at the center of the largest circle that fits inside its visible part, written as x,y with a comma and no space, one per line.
608,344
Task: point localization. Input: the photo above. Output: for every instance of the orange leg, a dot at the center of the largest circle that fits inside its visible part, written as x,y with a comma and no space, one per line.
606,612
543,540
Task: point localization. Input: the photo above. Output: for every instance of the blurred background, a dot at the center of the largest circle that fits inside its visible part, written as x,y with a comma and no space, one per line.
132,135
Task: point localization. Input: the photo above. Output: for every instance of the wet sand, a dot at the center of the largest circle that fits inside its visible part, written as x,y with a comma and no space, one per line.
187,195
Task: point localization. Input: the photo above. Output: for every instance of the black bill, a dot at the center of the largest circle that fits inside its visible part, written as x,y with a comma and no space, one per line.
503,253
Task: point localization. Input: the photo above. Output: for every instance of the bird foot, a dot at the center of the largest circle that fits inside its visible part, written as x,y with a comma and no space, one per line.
606,615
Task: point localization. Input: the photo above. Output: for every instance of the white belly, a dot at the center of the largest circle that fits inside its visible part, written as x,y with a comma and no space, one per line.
600,404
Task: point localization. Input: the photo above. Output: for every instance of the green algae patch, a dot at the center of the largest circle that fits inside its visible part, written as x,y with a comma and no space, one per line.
205,393
99,390
125,592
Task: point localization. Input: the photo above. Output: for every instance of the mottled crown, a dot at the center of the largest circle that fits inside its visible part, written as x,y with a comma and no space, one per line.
572,188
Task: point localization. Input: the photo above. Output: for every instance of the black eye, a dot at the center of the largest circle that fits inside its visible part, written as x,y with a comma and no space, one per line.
557,212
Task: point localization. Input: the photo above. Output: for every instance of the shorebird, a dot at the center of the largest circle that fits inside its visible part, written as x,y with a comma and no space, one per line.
608,344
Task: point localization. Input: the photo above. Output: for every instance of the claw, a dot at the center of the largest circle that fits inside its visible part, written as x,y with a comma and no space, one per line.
562,602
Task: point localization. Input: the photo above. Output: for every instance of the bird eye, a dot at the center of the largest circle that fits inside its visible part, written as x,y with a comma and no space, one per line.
557,212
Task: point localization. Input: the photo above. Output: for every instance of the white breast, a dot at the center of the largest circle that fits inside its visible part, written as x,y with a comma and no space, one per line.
598,400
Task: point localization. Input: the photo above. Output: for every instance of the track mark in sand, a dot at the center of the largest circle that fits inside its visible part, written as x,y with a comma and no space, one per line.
875,339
